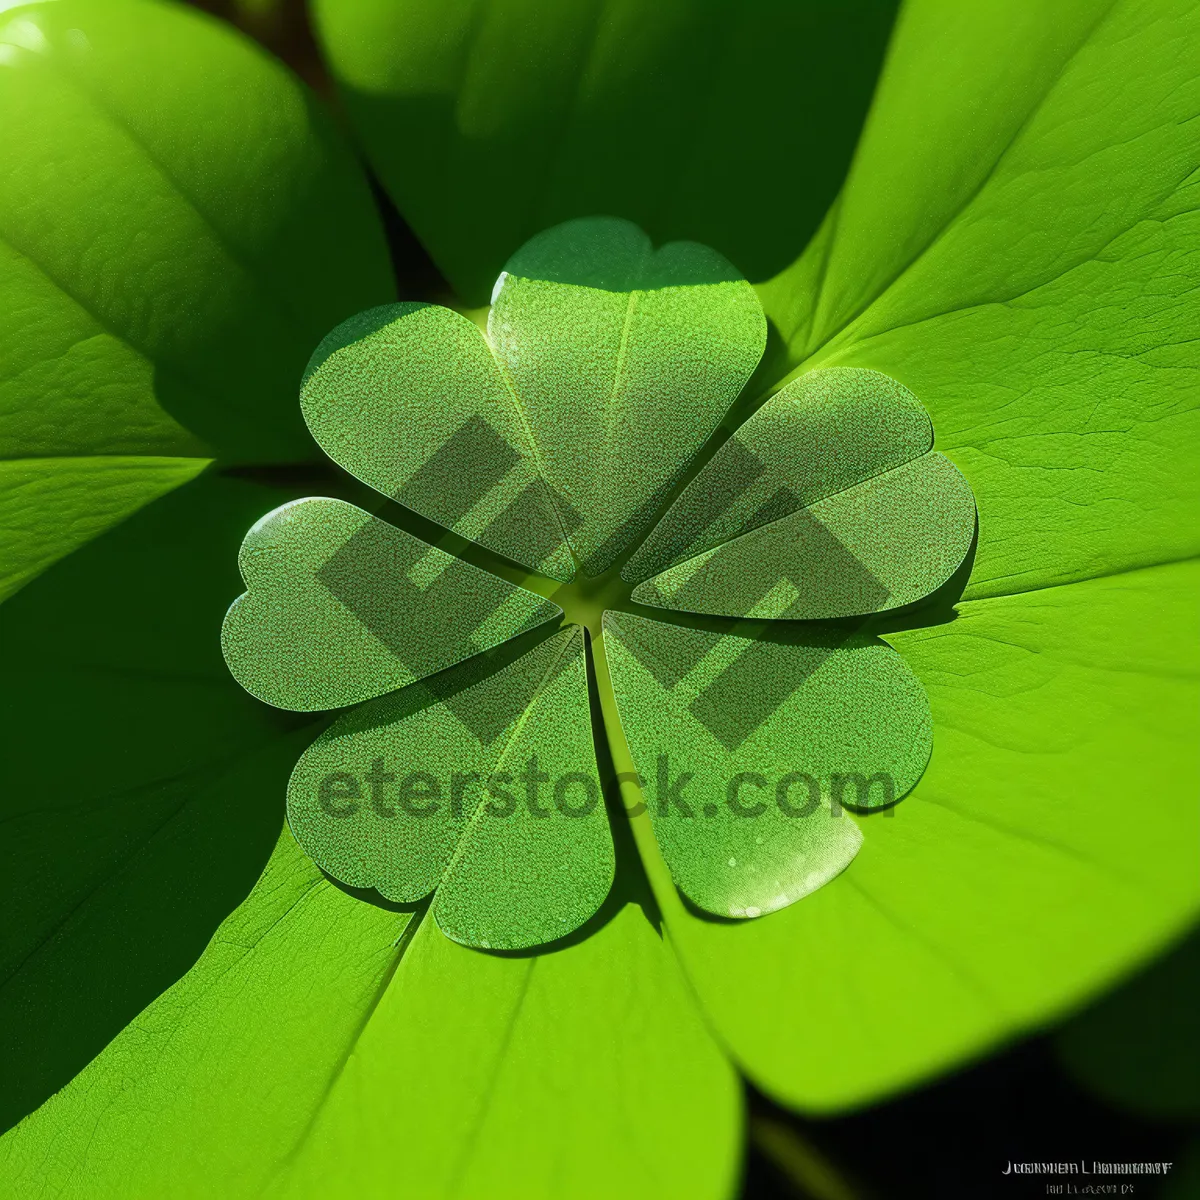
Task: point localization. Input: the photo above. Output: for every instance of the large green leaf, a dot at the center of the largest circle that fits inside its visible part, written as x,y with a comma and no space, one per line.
161,293
145,788
323,1046
1050,843
491,120
1017,243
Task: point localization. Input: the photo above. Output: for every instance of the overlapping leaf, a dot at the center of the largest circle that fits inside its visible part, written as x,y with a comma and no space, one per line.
317,1029
749,750
410,399
827,502
486,790
341,607
726,124
160,296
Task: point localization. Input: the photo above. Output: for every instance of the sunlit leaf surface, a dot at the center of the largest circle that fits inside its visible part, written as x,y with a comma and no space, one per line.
486,790
1015,246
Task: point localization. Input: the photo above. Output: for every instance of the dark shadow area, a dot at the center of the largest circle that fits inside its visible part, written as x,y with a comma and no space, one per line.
1139,1046
739,137
370,895
318,478
145,788
953,1139
630,885
283,27
417,275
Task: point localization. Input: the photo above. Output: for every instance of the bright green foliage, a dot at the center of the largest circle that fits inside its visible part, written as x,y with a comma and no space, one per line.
744,744
820,435
410,399
1015,243
828,504
1051,835
496,803
341,607
624,358
1019,243
324,1029
638,353
159,295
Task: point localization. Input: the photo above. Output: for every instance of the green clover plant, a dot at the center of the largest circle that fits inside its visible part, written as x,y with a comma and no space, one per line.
558,438
994,205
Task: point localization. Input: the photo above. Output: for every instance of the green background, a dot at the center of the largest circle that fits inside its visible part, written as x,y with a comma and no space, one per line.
1013,236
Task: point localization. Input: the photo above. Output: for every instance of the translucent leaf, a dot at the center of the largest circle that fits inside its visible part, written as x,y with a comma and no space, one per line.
821,434
1049,844
487,791
749,750
624,359
409,399
878,545
341,607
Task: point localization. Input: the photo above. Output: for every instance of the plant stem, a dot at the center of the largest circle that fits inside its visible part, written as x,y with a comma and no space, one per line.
798,1159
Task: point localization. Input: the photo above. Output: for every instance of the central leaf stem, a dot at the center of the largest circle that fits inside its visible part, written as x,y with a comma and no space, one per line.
633,797
584,601
586,598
